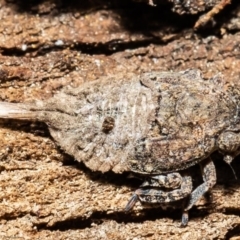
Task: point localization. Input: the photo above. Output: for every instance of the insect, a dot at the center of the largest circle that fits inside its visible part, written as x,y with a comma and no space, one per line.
156,124
196,6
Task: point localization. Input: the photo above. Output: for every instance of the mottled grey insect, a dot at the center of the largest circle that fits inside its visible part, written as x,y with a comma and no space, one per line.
156,125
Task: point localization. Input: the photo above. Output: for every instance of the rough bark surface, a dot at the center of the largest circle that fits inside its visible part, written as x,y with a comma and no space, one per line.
45,45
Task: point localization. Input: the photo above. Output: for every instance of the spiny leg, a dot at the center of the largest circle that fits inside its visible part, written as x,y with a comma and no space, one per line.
154,195
215,10
209,178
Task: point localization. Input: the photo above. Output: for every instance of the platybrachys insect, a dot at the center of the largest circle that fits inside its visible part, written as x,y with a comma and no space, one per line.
157,125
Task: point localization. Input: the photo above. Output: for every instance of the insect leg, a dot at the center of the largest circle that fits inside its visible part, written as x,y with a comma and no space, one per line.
209,178
171,180
155,195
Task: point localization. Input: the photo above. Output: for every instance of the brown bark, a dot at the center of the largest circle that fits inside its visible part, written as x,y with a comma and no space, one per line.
47,45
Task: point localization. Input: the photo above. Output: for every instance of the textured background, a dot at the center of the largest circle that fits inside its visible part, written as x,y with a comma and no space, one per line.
45,45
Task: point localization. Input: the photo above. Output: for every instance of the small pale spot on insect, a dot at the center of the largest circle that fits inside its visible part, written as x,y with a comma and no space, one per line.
148,168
